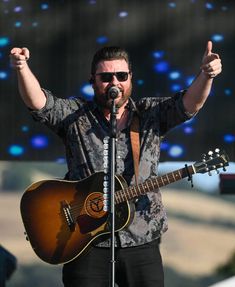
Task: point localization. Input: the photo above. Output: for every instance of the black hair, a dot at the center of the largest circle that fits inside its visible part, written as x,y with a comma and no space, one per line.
109,53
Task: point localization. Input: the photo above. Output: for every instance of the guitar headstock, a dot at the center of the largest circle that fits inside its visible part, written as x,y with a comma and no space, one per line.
212,161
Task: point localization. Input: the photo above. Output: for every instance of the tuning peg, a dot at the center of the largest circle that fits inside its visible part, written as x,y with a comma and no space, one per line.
210,153
224,169
217,150
209,173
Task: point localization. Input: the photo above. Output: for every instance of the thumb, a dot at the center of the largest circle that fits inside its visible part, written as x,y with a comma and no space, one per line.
208,49
16,51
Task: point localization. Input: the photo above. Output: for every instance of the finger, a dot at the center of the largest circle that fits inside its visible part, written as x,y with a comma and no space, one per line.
18,57
25,52
208,49
213,73
211,64
16,51
216,56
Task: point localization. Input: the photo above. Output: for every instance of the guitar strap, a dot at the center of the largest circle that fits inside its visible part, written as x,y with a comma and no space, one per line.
135,144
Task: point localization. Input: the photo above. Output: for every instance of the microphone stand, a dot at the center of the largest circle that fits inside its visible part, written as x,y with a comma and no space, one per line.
111,163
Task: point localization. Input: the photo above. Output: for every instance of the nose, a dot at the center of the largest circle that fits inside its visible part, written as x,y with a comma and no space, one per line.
114,80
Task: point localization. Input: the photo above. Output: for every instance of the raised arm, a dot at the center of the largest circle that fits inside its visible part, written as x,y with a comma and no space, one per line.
28,85
199,90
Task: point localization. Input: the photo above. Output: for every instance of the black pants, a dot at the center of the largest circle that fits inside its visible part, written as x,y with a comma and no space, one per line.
139,266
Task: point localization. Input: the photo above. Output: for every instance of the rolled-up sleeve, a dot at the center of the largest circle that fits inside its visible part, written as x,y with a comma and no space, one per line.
56,111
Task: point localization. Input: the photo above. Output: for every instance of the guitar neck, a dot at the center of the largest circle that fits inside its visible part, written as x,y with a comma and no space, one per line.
152,184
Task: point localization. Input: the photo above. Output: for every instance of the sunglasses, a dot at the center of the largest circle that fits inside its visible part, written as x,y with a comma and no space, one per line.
107,77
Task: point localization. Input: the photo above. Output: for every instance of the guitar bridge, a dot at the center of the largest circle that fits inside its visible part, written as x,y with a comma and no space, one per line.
68,215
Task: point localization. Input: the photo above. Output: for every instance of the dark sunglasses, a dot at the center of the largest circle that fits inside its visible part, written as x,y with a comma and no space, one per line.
107,77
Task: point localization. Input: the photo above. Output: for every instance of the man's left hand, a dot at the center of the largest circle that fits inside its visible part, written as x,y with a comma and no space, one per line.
211,62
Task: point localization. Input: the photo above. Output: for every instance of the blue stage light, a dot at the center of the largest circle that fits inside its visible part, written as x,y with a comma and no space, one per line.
176,151
3,75
189,80
229,138
217,38
158,54
140,82
161,67
44,6
123,14
15,150
174,75
18,9
4,41
228,92
172,4
87,91
39,141
176,87
102,40
188,130
165,145
24,129
18,24
209,6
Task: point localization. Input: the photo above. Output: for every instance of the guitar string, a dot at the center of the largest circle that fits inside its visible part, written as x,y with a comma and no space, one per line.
132,192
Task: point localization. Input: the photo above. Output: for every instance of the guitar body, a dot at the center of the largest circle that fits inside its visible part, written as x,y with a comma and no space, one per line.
62,218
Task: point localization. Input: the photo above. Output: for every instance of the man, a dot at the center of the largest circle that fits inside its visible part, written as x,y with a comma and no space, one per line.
84,125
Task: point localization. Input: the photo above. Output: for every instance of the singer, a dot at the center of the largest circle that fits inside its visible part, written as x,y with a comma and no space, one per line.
84,125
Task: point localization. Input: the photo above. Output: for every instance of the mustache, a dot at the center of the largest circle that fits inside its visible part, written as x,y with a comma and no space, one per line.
108,88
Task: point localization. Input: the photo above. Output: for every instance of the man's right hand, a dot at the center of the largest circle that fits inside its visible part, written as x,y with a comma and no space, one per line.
19,57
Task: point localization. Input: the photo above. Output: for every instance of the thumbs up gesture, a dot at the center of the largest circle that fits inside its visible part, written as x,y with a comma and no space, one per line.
211,62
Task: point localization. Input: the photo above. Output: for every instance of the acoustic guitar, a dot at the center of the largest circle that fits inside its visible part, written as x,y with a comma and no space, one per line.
62,218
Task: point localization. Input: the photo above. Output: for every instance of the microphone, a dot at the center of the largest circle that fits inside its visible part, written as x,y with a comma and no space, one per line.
113,92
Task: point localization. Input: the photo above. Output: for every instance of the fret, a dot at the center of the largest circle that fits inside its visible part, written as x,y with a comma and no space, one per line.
123,195
172,178
144,187
127,194
165,180
117,196
151,181
156,182
178,172
168,177
132,194
173,174
136,192
139,190
149,188
161,177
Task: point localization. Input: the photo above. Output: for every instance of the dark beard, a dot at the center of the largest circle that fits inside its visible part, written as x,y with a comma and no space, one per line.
105,103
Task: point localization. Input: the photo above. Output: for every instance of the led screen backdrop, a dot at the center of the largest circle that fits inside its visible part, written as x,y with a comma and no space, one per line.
166,41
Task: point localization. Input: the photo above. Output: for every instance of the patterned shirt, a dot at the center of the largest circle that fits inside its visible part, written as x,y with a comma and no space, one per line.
82,127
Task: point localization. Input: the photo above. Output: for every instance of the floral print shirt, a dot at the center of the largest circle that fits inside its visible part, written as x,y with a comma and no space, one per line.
82,128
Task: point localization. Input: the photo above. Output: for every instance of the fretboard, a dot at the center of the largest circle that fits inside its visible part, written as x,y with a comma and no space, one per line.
152,184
